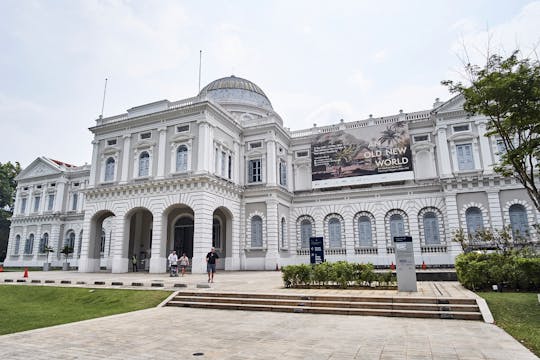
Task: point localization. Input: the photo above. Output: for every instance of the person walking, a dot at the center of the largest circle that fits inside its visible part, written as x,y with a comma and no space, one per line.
134,262
211,261
173,263
184,263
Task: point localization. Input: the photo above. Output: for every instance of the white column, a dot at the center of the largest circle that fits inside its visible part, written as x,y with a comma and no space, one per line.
236,162
476,154
42,205
94,166
485,151
120,258
452,224
349,237
126,158
158,259
290,177
271,162
161,152
202,237
59,196
29,201
272,238
495,212
443,155
204,151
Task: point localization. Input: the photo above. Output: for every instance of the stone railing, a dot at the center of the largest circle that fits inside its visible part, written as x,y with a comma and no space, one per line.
365,251
434,248
341,251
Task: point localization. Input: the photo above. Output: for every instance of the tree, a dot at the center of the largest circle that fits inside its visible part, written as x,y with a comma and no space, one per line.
8,172
507,92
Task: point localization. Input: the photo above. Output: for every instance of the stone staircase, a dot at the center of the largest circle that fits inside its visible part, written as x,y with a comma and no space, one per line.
412,307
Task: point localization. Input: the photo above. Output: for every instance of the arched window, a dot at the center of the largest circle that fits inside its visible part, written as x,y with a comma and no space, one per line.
109,169
70,239
144,164
306,231
364,232
397,226
216,234
17,245
256,232
102,245
29,245
182,158
431,229
475,222
334,233
283,234
43,243
518,221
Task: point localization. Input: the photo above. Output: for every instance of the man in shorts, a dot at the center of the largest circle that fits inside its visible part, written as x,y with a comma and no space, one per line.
211,260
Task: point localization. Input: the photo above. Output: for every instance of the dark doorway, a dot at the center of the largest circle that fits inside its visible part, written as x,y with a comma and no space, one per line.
183,236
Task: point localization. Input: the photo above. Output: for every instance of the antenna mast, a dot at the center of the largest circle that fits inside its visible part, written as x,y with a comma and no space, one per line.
200,62
103,103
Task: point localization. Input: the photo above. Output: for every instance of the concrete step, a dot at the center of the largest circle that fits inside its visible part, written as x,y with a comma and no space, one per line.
330,304
376,299
334,311
419,307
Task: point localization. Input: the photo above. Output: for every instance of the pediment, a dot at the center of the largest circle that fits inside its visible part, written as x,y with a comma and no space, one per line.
39,167
454,104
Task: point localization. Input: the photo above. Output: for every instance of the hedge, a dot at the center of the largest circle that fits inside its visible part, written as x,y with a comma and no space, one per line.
478,271
341,273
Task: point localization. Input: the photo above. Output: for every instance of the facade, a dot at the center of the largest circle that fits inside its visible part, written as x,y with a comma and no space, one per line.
220,169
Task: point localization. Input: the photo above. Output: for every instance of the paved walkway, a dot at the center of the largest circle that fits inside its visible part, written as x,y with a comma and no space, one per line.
170,332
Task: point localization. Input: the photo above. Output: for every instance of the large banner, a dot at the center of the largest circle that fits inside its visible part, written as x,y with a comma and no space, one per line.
369,150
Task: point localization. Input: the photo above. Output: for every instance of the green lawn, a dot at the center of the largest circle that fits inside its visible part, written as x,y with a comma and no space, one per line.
518,314
31,307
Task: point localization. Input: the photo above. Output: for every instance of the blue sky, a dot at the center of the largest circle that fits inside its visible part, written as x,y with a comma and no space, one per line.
317,61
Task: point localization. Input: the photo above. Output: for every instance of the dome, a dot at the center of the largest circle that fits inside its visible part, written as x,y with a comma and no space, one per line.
235,90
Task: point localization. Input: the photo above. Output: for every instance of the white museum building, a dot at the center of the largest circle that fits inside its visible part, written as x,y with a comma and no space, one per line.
221,169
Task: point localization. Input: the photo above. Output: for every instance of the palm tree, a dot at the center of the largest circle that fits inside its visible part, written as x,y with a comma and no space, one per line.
389,136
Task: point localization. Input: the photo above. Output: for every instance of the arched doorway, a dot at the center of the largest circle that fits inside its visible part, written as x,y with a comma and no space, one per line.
222,235
91,252
183,236
140,223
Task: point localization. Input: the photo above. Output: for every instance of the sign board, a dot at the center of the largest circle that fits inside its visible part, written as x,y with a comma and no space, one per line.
405,267
381,152
316,250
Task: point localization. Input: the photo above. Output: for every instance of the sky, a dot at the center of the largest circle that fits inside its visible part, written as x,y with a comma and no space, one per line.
317,61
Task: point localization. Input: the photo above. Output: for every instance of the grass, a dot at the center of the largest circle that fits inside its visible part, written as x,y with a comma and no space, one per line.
31,307
518,314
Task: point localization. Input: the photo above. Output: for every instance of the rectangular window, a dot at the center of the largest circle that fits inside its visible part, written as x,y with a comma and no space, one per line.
461,128
282,173
501,148
23,205
301,154
111,142
147,135
74,203
254,171
229,168
465,157
51,202
37,200
255,145
182,128
419,138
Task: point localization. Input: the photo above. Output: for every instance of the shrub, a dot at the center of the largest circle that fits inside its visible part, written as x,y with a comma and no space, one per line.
323,273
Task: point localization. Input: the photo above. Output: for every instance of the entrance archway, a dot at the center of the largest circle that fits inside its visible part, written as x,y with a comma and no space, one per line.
222,234
183,236
91,261
140,225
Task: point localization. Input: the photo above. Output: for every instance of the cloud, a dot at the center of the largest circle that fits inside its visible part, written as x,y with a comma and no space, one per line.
331,113
520,32
380,56
360,81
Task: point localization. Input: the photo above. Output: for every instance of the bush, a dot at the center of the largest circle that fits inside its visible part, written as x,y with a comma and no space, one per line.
341,273
511,270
